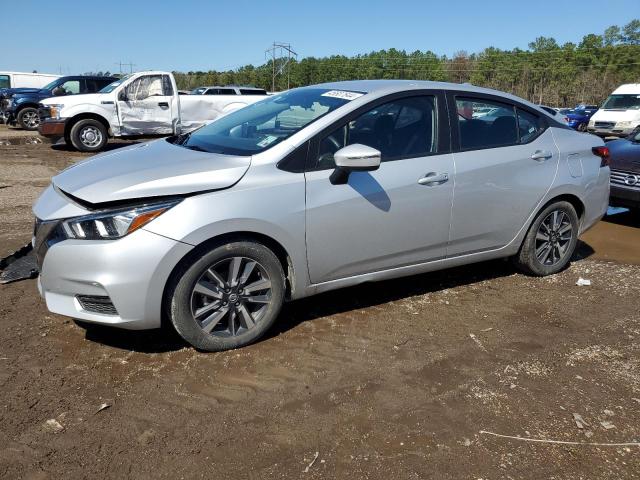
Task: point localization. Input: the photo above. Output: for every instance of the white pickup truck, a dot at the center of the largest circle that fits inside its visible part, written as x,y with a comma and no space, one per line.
143,103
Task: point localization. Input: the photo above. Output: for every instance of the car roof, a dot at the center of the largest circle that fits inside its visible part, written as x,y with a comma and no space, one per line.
393,86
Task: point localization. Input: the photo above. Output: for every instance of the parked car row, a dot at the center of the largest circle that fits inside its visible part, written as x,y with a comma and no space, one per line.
87,110
143,103
20,106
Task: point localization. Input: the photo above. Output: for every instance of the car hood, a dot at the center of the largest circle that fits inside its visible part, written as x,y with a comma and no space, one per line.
32,95
625,155
7,92
152,169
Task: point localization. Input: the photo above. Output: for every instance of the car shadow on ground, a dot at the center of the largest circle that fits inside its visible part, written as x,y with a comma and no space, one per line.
378,293
326,304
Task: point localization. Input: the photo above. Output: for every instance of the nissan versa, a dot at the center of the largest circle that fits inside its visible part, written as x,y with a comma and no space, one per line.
311,190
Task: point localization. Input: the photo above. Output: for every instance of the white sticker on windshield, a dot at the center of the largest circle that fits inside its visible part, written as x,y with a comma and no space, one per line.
343,94
267,140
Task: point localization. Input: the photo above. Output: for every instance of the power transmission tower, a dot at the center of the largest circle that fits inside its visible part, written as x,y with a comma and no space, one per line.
130,65
280,53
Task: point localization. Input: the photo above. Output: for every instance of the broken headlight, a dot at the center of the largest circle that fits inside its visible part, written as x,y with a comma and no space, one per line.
113,224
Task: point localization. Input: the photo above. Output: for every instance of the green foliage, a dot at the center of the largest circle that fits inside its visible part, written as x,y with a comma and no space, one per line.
547,73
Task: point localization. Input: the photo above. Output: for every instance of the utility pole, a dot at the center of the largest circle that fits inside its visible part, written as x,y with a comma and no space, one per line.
281,53
130,65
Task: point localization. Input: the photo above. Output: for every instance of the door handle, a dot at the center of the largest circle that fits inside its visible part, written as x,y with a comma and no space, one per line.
163,104
433,178
541,156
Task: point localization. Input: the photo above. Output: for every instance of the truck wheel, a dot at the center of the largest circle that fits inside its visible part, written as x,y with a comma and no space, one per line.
88,135
28,118
550,242
227,297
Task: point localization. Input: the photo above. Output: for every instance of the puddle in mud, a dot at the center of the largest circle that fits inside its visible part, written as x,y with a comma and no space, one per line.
21,141
616,237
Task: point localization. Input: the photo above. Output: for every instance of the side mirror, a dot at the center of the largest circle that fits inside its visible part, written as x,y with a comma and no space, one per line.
58,91
122,96
354,158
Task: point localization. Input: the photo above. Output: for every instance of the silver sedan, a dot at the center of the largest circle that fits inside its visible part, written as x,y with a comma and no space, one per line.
311,190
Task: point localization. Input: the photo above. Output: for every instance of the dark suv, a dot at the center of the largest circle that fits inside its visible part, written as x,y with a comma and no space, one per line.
625,171
22,108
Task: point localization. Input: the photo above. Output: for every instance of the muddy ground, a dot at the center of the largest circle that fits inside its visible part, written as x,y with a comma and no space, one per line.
395,380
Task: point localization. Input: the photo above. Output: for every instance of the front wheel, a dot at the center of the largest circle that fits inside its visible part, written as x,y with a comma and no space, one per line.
88,135
28,118
550,241
582,127
226,298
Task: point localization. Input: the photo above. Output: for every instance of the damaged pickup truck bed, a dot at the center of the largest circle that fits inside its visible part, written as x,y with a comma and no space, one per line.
143,103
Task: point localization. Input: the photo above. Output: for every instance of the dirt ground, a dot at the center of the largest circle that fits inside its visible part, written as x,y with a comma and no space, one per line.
394,380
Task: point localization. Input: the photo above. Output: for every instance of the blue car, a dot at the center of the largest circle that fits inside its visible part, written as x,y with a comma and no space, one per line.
578,118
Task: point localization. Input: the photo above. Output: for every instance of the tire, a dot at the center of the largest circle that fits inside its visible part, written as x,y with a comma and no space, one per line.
534,258
582,127
88,135
28,118
230,316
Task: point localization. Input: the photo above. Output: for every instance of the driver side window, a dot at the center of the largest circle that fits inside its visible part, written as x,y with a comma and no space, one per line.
404,128
71,87
145,87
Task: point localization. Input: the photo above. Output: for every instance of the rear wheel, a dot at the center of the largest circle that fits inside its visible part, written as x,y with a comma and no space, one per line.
88,135
228,297
28,118
551,240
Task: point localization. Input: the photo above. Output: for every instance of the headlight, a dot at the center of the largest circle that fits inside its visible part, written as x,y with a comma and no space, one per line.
9,102
55,110
113,224
592,123
623,124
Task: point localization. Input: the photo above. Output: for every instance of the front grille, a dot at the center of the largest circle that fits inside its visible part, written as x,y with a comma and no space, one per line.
605,124
44,112
45,234
626,179
97,304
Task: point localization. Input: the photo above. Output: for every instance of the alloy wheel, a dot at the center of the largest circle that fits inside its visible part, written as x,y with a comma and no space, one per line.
231,297
31,119
553,238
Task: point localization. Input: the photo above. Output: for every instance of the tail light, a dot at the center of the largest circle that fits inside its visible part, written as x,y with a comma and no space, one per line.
603,153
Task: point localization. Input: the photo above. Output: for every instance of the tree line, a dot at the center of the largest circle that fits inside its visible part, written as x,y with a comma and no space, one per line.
546,72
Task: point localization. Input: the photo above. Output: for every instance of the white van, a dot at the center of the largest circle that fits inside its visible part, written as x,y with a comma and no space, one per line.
25,80
619,115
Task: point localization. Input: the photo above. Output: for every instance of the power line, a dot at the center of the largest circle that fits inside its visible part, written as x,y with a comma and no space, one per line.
283,61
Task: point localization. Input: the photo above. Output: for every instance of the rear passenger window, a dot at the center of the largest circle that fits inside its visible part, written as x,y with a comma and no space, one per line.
167,87
485,124
257,91
529,126
404,128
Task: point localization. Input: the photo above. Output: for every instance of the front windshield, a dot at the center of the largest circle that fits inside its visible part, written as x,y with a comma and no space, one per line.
622,102
112,86
266,123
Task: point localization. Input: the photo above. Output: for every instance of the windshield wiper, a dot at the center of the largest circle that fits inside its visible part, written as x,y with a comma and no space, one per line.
196,148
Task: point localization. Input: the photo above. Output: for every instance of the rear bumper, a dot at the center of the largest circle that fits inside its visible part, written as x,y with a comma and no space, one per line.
625,197
53,129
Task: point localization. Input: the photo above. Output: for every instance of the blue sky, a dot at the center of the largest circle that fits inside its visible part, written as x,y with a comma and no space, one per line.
70,36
